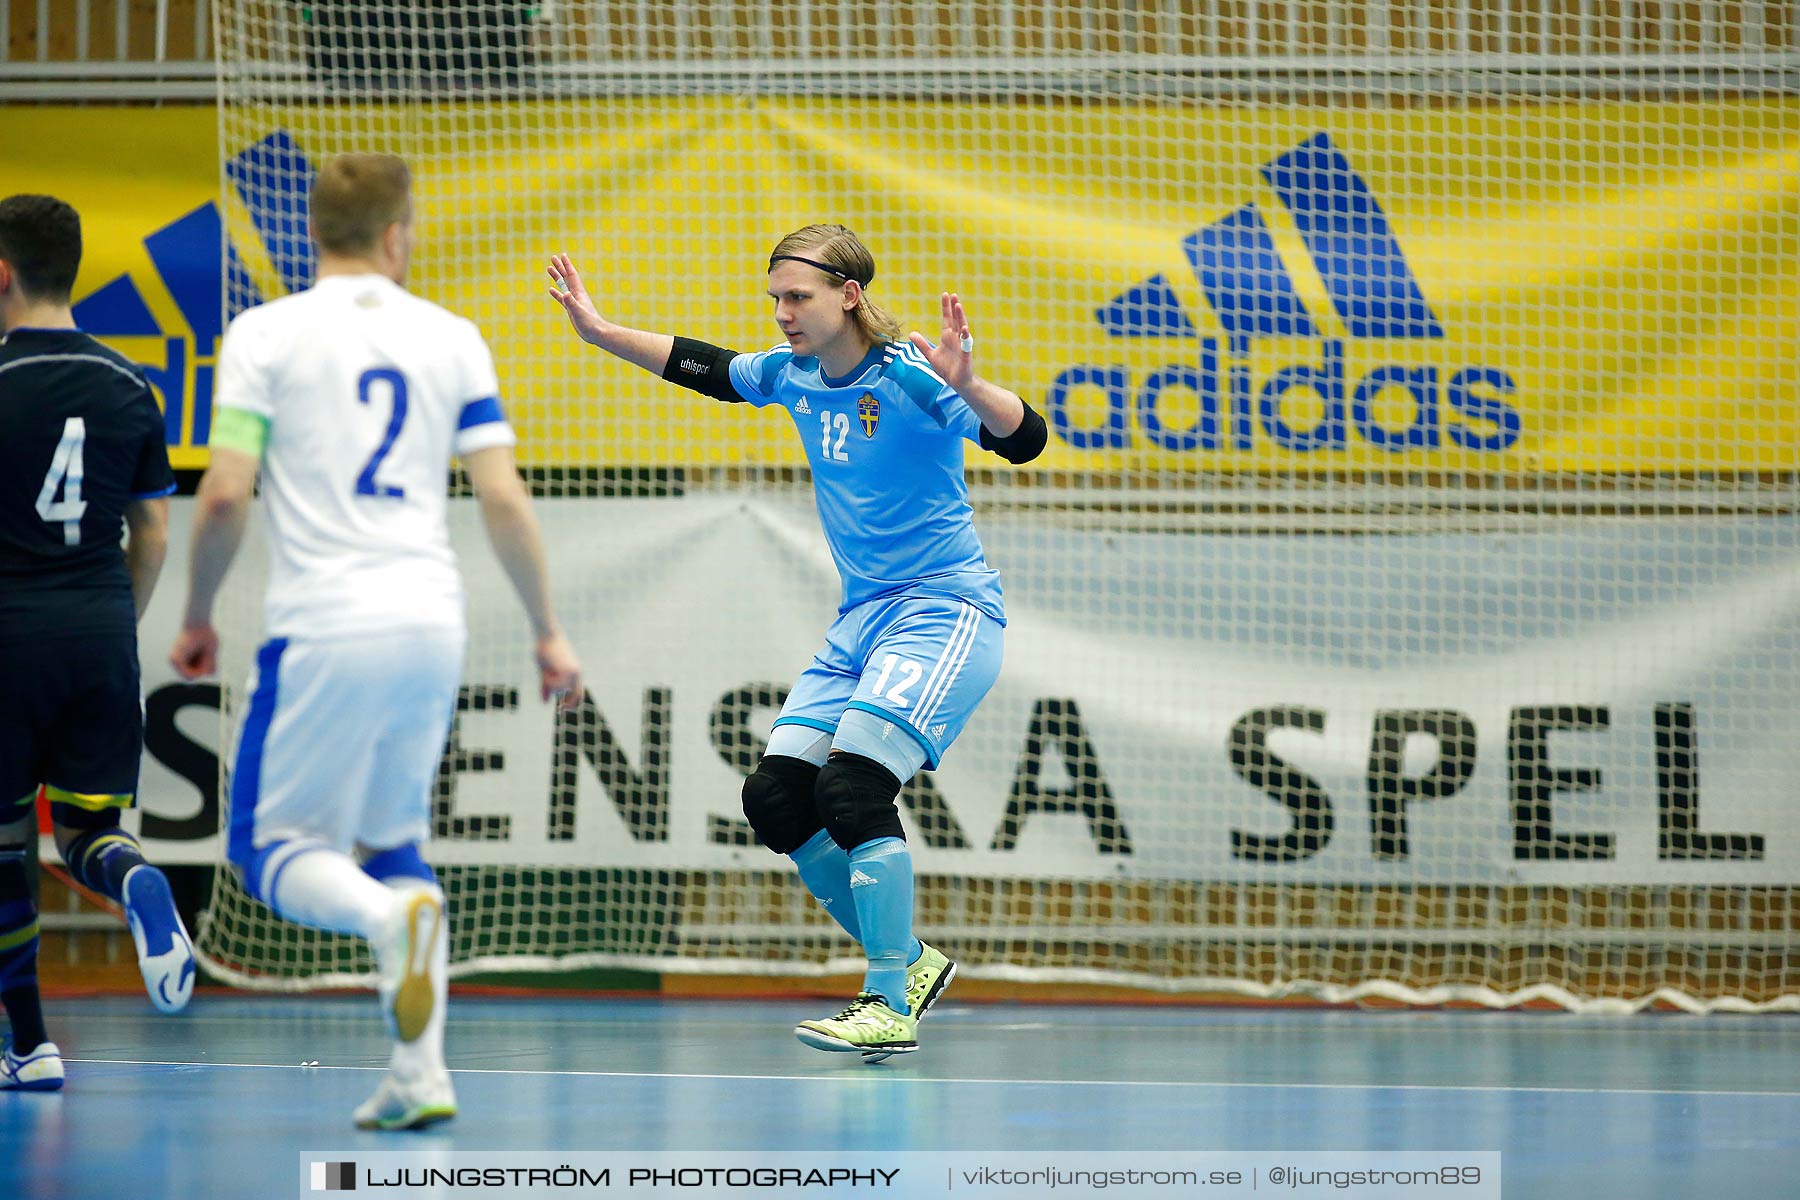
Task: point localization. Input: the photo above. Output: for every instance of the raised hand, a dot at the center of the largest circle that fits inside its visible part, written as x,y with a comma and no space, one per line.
953,358
566,288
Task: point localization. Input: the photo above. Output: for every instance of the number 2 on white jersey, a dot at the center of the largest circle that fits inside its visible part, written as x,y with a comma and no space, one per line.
65,475
396,385
829,450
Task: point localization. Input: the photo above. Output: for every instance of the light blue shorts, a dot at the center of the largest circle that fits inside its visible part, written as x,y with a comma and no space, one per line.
922,662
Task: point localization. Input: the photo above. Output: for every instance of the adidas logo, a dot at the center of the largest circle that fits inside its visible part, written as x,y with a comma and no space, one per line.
1373,295
937,731
858,879
803,407
193,261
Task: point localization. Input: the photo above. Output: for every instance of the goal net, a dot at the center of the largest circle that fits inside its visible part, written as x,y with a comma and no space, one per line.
1407,606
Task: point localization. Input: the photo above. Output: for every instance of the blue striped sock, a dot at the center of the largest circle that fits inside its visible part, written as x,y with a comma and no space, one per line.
19,952
101,858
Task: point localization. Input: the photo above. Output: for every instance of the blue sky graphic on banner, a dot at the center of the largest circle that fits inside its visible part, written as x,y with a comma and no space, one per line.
194,262
1249,287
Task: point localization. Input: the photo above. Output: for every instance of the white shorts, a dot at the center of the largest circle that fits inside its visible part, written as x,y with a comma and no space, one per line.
342,740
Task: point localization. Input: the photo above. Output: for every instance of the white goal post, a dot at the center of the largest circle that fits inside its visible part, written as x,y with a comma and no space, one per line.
1407,607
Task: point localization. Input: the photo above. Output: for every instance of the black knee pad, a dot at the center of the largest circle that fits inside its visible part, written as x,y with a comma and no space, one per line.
778,802
856,800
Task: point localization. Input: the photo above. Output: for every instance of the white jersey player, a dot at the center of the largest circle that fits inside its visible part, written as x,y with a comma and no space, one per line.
366,391
351,398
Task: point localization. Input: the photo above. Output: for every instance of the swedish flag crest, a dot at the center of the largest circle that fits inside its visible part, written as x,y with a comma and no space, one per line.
868,411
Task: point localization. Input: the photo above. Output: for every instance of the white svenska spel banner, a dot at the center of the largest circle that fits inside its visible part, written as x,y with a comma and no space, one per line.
1603,703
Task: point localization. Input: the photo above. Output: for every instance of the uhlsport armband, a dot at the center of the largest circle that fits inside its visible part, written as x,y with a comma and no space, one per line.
704,368
1022,444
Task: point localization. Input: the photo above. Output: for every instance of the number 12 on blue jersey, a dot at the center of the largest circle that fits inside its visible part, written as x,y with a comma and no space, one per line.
828,423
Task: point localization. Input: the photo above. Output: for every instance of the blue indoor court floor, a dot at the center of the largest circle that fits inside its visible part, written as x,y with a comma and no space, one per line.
216,1103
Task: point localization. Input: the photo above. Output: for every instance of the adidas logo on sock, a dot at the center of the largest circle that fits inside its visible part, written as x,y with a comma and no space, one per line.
858,879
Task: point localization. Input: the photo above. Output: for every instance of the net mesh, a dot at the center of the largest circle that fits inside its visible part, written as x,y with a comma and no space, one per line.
1413,556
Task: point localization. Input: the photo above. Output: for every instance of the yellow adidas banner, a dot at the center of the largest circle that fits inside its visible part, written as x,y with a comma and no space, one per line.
145,182
1540,288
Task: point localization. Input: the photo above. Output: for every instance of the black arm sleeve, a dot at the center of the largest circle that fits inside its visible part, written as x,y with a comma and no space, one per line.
704,368
1022,444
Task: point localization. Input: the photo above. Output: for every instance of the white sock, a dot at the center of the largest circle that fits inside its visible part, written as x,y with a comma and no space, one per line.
325,889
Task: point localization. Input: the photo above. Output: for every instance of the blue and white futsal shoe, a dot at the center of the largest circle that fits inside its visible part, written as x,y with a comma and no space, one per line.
165,955
39,1071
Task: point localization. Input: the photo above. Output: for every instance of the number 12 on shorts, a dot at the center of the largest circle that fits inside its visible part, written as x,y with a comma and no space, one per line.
909,675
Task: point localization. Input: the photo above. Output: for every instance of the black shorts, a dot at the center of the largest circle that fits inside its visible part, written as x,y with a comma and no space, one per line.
72,719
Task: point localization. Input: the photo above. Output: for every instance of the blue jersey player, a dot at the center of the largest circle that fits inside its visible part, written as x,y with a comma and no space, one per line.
916,643
82,441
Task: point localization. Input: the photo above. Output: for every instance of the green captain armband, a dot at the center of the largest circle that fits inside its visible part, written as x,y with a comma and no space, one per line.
236,429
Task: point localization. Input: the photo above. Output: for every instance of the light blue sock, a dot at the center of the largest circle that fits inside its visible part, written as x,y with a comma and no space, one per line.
825,870
881,883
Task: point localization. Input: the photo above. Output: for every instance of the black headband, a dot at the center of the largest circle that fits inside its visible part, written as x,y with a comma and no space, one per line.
813,262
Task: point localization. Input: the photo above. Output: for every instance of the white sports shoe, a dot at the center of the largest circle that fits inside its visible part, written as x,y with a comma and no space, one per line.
405,959
400,1105
165,955
39,1071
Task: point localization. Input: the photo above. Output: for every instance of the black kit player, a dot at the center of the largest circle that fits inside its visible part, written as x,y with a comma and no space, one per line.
82,459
